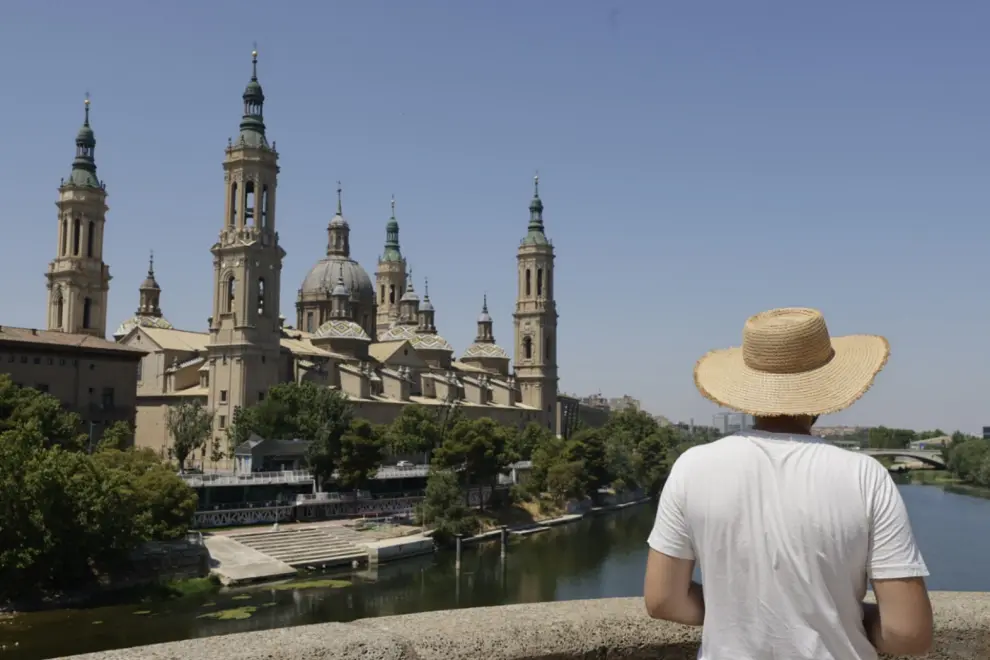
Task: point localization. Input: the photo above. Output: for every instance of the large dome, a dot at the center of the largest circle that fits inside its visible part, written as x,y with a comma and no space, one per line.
323,277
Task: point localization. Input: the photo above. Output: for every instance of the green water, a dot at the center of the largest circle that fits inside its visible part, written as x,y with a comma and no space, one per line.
596,558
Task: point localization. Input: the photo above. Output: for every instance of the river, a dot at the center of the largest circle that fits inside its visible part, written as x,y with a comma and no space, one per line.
599,557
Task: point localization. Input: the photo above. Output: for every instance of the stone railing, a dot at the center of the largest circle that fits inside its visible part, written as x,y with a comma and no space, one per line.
607,628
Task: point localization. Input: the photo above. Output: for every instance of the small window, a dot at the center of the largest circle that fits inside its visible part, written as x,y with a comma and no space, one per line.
106,398
223,421
223,396
140,362
92,366
309,321
539,281
261,396
87,312
37,360
24,359
528,283
528,348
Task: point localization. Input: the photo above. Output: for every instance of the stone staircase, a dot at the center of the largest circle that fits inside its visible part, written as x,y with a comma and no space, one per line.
308,547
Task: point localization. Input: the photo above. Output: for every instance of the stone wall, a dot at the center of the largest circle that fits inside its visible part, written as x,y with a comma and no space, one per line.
607,628
164,562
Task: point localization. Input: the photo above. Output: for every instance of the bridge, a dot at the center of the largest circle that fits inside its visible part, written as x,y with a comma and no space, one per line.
610,627
926,456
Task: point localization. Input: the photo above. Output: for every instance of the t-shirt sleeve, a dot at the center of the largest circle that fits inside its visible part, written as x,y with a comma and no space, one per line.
671,534
894,554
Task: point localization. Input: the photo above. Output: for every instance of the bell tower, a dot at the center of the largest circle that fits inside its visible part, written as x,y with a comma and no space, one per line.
78,279
245,329
535,318
391,275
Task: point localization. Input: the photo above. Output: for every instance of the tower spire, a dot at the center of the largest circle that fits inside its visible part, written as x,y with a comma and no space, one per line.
535,234
340,199
84,165
392,251
253,123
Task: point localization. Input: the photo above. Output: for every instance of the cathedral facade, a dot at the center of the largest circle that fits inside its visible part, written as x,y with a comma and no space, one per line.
376,340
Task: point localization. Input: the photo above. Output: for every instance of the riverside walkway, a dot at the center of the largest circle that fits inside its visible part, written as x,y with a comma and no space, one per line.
610,627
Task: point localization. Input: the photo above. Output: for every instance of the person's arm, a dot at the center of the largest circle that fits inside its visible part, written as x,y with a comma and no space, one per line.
668,589
901,621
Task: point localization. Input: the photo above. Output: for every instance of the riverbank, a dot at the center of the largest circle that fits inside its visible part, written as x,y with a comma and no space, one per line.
942,479
266,555
148,592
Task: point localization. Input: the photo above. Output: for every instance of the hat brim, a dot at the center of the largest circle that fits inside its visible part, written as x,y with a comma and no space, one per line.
723,377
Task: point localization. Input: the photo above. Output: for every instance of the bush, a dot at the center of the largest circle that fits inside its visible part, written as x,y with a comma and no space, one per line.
444,509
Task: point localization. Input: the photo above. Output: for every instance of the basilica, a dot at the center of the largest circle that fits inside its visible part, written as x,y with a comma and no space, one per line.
376,340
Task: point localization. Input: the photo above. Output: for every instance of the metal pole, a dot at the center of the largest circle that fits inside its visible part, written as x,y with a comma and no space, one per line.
457,560
504,535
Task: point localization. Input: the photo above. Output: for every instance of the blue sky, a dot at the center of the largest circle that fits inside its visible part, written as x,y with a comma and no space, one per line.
699,162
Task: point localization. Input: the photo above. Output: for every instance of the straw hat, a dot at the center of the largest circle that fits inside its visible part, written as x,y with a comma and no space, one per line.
788,365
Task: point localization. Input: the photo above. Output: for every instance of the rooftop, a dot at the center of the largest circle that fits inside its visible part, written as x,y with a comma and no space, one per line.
64,340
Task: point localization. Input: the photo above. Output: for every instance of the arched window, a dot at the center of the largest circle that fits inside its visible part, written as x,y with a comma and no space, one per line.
309,321
87,311
528,283
548,348
229,294
90,231
59,308
391,294
233,204
261,296
65,236
381,298
249,204
528,346
264,207
539,281
76,229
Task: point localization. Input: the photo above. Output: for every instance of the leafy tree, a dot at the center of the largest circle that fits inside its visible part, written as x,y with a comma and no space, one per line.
217,453
966,458
881,437
416,430
444,509
588,446
476,446
545,455
116,436
190,425
524,443
361,453
567,480
19,405
927,435
162,504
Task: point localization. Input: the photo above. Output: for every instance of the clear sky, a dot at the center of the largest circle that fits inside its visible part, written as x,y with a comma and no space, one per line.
699,162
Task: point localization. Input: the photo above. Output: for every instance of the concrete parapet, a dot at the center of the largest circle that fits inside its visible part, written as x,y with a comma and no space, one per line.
612,627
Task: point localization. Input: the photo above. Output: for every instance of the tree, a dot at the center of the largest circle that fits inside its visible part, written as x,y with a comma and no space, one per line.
444,508
881,437
163,505
525,442
417,429
478,447
967,456
361,453
217,453
67,518
190,425
567,480
19,405
116,436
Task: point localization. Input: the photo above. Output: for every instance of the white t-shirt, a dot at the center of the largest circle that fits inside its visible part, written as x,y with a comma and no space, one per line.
786,530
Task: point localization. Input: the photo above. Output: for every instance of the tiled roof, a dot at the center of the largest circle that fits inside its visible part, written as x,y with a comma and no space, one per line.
63,339
178,340
478,350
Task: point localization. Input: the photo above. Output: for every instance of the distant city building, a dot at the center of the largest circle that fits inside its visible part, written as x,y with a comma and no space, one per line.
728,423
624,402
